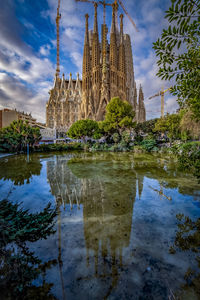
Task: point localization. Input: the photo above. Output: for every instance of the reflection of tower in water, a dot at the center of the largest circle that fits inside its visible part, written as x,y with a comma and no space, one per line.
107,230
107,200
62,182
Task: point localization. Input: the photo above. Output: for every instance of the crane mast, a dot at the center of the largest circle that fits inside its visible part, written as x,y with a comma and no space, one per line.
58,17
115,3
161,93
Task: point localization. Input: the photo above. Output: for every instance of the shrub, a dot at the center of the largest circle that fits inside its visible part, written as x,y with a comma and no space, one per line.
149,145
59,147
188,155
115,137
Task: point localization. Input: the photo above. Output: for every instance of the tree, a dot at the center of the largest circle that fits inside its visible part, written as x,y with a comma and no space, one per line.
17,135
189,126
178,50
169,125
83,129
119,116
19,266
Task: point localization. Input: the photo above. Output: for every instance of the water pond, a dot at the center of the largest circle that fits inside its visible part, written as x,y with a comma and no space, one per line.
126,224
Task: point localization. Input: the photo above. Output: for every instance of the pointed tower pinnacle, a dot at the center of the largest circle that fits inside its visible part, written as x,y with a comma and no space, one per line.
113,27
95,41
86,55
86,30
56,81
141,96
95,30
142,111
70,85
121,29
63,85
77,86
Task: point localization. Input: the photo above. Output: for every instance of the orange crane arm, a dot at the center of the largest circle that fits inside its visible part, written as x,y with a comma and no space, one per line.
156,95
159,93
124,9
103,2
89,1
166,90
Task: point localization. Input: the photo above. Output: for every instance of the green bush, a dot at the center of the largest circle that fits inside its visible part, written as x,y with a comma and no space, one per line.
188,155
16,136
83,129
149,145
115,137
59,147
126,138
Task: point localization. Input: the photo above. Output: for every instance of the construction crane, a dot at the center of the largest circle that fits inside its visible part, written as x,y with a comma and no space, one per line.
58,17
115,4
124,9
161,93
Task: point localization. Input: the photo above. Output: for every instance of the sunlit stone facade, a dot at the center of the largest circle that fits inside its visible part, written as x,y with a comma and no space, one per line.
107,72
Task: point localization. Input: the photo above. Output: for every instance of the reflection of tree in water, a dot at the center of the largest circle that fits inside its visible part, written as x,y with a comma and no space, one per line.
18,265
188,239
107,196
19,170
165,171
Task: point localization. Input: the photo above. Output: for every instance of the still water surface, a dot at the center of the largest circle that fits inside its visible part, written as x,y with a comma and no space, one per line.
115,225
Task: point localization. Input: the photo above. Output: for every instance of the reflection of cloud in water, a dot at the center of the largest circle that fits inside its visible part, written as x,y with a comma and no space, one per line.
107,197
104,187
72,219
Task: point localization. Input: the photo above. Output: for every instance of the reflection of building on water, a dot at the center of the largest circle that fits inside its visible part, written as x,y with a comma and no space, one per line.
62,182
107,230
107,200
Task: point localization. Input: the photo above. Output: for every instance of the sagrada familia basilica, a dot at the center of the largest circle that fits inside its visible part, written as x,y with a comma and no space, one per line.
107,72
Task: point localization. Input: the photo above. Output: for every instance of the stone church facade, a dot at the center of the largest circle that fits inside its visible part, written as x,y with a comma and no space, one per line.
107,72
63,106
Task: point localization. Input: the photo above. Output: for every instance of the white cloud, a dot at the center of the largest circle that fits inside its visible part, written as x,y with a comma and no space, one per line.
15,94
28,68
45,50
77,58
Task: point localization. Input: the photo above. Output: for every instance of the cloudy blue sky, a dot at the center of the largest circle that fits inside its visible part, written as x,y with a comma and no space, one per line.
28,49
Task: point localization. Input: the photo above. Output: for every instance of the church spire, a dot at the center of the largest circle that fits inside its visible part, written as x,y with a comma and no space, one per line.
122,63
86,30
86,51
121,29
95,41
70,85
141,107
63,86
95,30
113,26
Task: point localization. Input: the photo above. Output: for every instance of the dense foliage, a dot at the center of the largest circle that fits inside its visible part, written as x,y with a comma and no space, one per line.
179,126
18,266
59,147
17,135
119,117
169,125
178,51
190,128
188,155
84,128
